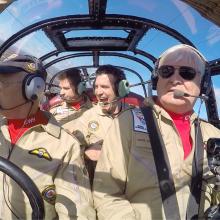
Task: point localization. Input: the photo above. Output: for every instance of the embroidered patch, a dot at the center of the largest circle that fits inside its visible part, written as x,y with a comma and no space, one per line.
49,194
41,153
139,122
29,121
31,67
93,125
60,110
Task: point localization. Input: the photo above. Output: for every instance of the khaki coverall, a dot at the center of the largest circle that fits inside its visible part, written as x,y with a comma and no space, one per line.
126,183
51,157
64,112
91,128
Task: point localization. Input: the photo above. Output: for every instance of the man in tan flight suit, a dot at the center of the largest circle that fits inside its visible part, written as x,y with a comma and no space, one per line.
74,100
126,180
93,125
33,140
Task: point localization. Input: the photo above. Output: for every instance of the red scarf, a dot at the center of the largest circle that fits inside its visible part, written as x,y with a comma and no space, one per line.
17,127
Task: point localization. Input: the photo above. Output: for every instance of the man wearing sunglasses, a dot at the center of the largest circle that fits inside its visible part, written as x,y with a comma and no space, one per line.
134,182
182,72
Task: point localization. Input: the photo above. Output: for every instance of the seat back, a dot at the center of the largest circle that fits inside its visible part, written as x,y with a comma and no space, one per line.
134,99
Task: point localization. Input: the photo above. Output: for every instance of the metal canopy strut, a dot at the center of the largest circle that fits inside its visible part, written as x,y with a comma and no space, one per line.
97,8
55,29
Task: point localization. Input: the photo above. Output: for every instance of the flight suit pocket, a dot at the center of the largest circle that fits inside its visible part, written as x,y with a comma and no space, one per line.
142,160
141,140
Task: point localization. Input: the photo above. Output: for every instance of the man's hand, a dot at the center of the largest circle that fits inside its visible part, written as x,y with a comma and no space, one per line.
93,152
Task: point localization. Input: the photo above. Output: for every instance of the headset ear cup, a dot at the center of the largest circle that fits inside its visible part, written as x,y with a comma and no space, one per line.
154,80
81,88
202,88
205,87
206,83
33,87
123,88
26,78
93,86
154,75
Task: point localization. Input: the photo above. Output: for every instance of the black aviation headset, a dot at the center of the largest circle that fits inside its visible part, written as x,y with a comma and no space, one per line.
33,84
74,75
206,78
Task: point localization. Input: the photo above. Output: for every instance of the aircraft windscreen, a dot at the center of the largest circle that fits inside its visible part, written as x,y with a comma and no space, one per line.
175,14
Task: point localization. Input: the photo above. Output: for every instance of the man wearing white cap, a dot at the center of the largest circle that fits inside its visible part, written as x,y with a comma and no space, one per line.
133,180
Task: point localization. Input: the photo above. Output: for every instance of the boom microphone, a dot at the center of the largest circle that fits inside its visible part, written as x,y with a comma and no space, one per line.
103,104
52,85
179,94
47,92
124,90
141,83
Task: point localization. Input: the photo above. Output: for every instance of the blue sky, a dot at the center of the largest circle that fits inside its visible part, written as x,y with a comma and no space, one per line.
173,13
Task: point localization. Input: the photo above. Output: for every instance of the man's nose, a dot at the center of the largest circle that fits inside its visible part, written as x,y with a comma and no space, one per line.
61,92
176,75
98,91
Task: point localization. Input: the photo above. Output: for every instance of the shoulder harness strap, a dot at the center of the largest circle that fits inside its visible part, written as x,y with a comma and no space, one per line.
165,178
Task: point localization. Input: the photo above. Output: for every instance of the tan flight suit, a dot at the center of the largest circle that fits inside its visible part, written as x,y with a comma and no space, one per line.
51,157
91,128
126,184
64,112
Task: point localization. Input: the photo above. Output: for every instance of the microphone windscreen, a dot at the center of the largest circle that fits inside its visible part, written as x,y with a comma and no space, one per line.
103,104
47,92
178,94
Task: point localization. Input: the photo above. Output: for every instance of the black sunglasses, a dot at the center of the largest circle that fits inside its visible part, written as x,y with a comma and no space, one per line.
186,72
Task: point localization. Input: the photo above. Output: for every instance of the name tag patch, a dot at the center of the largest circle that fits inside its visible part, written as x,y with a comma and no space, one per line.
139,122
60,110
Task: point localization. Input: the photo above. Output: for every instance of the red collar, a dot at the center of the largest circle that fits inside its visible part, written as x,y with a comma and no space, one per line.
175,116
38,118
78,105
17,127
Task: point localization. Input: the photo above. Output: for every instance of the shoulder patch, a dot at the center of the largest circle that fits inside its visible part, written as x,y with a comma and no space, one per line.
49,194
41,153
61,110
139,122
93,125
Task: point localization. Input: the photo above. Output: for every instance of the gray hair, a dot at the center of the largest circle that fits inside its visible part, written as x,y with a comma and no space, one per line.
190,53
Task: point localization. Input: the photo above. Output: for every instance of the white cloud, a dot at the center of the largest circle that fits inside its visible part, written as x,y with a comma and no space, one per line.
213,35
146,5
14,11
217,96
187,15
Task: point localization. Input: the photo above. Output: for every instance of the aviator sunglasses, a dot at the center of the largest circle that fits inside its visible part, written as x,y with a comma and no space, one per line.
186,72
